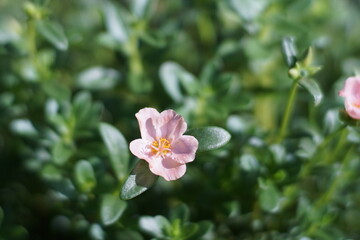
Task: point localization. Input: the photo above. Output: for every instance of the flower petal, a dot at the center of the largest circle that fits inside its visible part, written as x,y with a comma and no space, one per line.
184,148
353,109
146,118
167,168
139,148
170,125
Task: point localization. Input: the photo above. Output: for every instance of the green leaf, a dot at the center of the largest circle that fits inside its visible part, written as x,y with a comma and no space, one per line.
210,137
313,88
85,176
54,33
61,152
115,22
117,148
156,226
172,75
269,196
51,172
140,180
56,90
98,78
111,209
289,51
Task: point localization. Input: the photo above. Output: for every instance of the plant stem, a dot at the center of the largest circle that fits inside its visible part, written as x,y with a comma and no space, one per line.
288,111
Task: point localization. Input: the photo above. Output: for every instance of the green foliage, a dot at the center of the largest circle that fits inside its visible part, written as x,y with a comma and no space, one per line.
266,73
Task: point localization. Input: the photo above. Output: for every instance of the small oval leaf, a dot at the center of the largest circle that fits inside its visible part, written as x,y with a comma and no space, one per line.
140,180
85,176
111,209
115,22
54,33
313,88
98,78
117,148
210,137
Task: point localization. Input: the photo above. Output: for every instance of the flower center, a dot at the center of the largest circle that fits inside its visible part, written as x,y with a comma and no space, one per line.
357,105
161,147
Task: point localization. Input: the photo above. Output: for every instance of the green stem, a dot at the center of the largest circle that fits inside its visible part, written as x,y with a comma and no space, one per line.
288,112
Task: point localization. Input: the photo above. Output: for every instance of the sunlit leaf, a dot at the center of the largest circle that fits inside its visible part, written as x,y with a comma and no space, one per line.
210,137
111,209
140,180
115,22
155,226
249,9
23,127
98,78
96,232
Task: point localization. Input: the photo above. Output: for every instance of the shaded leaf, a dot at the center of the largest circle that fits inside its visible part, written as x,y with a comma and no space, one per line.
117,148
203,228
85,176
140,180
54,33
313,88
181,212
210,137
111,209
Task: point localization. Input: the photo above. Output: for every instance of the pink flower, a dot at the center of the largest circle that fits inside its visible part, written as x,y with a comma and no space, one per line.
163,144
351,93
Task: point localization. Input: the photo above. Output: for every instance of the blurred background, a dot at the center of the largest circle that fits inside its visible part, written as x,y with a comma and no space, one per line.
74,73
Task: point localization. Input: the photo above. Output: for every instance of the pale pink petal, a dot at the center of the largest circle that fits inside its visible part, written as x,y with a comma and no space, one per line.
353,109
139,148
184,148
146,118
167,168
170,125
351,93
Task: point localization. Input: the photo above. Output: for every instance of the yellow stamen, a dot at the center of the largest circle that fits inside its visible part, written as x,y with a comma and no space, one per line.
161,147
